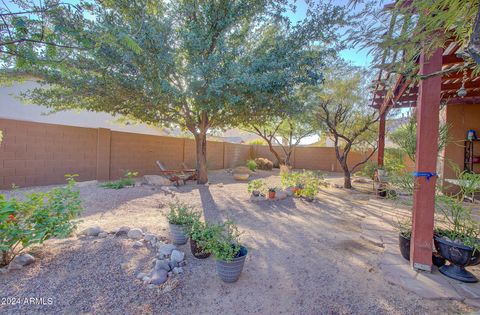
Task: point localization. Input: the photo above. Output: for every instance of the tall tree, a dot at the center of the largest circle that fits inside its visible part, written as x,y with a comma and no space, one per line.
343,113
193,64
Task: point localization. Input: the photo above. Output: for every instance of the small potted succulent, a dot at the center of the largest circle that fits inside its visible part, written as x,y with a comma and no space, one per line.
200,234
271,192
180,219
256,187
228,252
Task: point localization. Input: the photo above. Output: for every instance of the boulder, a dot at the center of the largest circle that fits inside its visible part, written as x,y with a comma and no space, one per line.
289,191
102,234
177,256
23,260
241,170
177,270
137,244
156,180
159,277
92,231
281,194
149,237
161,264
141,275
122,231
166,249
135,234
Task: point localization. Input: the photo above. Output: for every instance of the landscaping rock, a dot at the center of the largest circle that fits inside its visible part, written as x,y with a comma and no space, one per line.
166,249
156,180
257,198
177,270
177,256
146,279
159,277
13,266
149,237
92,231
122,231
161,264
102,234
173,264
23,260
137,244
280,195
289,191
141,275
135,234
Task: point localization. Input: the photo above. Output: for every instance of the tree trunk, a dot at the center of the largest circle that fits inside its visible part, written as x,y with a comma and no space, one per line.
201,143
347,179
270,146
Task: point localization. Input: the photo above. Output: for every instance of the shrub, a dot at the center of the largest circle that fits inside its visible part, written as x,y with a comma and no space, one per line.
257,142
256,185
368,170
204,233
224,244
127,180
251,165
311,183
264,164
38,217
182,214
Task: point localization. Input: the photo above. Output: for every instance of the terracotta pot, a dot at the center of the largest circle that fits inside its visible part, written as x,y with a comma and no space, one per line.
271,195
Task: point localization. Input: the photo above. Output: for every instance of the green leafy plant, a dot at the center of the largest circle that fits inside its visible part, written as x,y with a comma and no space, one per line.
224,243
256,185
404,225
203,233
182,214
252,165
272,189
38,217
127,180
311,183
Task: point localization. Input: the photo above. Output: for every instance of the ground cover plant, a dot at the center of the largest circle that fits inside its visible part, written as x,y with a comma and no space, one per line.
126,181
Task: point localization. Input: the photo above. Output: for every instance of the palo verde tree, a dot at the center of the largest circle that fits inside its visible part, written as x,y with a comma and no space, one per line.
342,112
192,64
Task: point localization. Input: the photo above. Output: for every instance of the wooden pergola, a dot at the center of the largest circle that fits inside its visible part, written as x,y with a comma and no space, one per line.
443,74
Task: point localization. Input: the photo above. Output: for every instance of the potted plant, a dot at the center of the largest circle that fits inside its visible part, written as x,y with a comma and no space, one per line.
180,220
200,234
271,192
229,254
457,237
256,187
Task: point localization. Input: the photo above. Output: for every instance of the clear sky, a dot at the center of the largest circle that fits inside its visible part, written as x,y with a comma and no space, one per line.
358,58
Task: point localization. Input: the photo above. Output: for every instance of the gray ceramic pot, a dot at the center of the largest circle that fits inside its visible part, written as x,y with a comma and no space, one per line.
178,235
230,271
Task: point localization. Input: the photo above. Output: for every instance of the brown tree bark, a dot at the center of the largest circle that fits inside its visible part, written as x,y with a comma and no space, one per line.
201,143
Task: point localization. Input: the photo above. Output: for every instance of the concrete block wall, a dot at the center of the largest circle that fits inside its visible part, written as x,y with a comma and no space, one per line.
41,154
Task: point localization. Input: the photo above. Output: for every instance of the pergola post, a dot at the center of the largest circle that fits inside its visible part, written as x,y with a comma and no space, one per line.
428,106
381,138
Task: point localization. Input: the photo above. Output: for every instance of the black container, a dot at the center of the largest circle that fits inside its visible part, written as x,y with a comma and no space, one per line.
459,256
404,244
197,251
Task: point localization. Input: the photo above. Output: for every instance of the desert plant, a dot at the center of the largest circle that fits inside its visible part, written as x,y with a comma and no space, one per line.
38,217
182,214
311,182
256,185
224,243
251,165
127,180
264,164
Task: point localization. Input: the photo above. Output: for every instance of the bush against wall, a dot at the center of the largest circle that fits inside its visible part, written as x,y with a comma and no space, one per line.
36,218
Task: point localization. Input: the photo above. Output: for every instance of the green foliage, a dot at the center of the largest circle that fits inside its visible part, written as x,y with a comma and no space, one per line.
38,217
204,233
256,185
199,65
182,214
368,170
394,160
252,165
224,244
272,189
257,142
457,222
127,180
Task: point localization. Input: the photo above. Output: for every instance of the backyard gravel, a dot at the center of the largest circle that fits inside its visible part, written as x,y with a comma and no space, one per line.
304,258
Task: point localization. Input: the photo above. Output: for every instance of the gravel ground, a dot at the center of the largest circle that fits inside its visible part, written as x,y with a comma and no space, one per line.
304,258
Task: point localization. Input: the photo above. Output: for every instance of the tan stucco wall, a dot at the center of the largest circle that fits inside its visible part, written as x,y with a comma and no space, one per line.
460,119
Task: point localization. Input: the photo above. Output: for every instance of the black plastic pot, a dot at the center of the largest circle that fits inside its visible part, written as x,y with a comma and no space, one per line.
382,192
459,256
197,250
404,244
